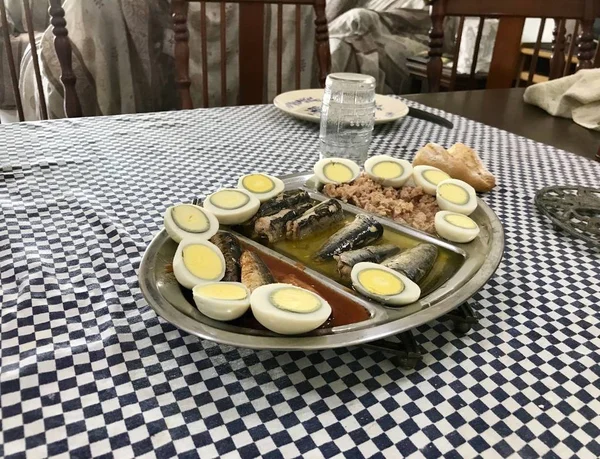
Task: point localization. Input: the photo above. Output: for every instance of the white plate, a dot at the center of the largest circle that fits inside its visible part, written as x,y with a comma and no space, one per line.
305,104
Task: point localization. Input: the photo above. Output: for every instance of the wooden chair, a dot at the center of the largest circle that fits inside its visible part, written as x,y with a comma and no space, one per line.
507,50
63,50
251,43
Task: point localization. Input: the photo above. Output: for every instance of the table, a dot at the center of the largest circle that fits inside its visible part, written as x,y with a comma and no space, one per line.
505,109
87,367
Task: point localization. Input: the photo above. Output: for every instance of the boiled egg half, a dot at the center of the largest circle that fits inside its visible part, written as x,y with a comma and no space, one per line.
263,186
428,178
456,227
388,171
184,220
456,196
287,309
222,300
198,261
336,170
384,285
232,206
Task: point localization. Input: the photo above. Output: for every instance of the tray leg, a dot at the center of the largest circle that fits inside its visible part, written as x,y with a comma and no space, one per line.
407,353
463,318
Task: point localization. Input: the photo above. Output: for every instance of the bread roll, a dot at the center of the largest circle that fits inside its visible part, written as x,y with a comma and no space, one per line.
460,162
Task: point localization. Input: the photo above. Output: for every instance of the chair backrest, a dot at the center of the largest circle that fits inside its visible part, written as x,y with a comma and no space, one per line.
63,50
507,49
251,47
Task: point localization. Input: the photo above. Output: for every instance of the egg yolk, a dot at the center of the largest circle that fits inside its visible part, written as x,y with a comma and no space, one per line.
202,261
221,291
387,170
453,193
190,219
462,221
338,172
434,176
229,199
295,300
380,282
258,183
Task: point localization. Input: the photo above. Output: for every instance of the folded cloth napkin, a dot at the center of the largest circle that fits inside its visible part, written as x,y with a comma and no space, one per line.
576,96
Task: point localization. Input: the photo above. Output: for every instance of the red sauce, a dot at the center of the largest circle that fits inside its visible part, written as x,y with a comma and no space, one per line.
344,310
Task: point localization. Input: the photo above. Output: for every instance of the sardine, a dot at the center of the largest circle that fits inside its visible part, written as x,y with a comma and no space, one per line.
414,263
315,220
274,226
372,253
230,247
286,200
362,231
254,271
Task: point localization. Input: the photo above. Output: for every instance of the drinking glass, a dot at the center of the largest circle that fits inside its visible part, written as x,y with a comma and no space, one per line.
347,116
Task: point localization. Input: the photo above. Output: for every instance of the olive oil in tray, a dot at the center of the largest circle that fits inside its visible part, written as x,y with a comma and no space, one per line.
303,251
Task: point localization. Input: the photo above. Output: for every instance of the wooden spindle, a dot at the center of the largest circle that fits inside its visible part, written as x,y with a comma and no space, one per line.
572,45
298,45
223,41
586,45
182,52
36,62
204,47
461,25
322,41
62,45
279,47
11,61
436,44
536,52
557,60
476,52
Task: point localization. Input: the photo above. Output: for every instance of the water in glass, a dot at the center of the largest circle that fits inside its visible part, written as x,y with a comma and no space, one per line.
347,116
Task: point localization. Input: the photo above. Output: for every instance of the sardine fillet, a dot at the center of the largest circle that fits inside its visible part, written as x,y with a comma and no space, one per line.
372,253
315,220
254,271
414,263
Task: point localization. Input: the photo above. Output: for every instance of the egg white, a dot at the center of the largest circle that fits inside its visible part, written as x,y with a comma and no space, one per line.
233,216
220,309
278,187
419,180
452,232
320,165
177,233
285,322
180,270
395,182
410,294
466,209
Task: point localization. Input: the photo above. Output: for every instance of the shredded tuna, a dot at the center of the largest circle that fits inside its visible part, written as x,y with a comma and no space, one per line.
408,205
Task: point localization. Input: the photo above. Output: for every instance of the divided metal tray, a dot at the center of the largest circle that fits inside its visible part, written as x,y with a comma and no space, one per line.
479,260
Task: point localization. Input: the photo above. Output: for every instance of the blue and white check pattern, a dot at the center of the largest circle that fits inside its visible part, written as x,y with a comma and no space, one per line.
89,370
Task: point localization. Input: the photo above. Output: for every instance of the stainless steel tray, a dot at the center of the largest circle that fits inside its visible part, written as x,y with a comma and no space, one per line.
481,258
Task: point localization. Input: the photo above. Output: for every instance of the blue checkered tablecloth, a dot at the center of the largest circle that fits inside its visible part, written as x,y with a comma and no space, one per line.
87,369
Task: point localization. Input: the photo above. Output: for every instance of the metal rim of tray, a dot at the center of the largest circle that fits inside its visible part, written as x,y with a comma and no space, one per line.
351,337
